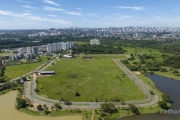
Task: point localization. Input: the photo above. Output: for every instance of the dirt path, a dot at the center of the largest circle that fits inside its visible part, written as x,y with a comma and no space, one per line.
92,116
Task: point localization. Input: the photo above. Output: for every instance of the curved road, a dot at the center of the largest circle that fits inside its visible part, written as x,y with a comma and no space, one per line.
150,100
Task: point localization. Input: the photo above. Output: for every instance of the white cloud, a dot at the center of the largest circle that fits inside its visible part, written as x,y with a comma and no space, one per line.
53,9
128,7
93,14
28,11
23,1
122,16
62,10
52,15
29,7
51,2
73,13
29,16
79,8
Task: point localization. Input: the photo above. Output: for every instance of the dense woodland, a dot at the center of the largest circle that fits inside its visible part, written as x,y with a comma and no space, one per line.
97,49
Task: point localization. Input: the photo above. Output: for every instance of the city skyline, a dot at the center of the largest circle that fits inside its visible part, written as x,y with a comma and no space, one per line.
44,14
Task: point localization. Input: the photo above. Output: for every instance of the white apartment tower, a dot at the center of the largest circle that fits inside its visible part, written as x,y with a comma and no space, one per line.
49,48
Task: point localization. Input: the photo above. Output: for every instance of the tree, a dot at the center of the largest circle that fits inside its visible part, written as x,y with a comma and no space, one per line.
134,109
2,80
57,106
163,105
39,107
166,98
36,90
77,94
21,103
46,111
44,105
108,108
24,79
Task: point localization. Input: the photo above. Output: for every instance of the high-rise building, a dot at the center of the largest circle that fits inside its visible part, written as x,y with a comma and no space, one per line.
54,47
49,48
63,46
59,46
29,50
35,50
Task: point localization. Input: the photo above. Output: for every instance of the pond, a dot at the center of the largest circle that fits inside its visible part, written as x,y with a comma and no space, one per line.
167,86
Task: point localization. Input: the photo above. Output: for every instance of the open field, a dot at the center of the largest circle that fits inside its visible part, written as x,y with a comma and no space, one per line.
19,70
93,79
8,111
142,51
5,54
104,56
79,42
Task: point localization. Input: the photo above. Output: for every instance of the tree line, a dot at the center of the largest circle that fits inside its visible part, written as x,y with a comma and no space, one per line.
97,49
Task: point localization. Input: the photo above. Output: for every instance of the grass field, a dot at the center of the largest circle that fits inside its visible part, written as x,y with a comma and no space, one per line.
99,79
79,42
142,51
19,70
5,54
105,56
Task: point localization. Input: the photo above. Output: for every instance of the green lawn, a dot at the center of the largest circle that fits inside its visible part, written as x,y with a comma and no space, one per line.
142,51
92,78
105,56
5,54
79,42
19,70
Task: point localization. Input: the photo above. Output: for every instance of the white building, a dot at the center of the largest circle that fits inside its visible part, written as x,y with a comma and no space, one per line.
35,50
49,48
95,42
29,50
54,47
59,46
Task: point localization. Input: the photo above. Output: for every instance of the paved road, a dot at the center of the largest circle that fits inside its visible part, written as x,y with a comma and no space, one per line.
149,101
140,84
44,65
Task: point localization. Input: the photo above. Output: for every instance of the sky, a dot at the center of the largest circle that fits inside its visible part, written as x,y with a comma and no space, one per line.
45,14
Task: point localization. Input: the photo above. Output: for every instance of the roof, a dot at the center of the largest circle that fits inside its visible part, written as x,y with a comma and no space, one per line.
47,72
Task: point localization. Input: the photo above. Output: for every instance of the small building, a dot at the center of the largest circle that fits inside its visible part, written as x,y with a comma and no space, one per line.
47,73
95,42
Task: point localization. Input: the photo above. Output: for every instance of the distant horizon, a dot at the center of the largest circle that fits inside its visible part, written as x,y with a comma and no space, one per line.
86,27
44,14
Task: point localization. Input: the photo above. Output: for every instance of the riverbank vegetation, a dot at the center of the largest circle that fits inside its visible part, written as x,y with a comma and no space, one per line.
153,61
121,112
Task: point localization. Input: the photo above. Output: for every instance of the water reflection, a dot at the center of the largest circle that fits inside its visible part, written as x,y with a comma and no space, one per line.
167,86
